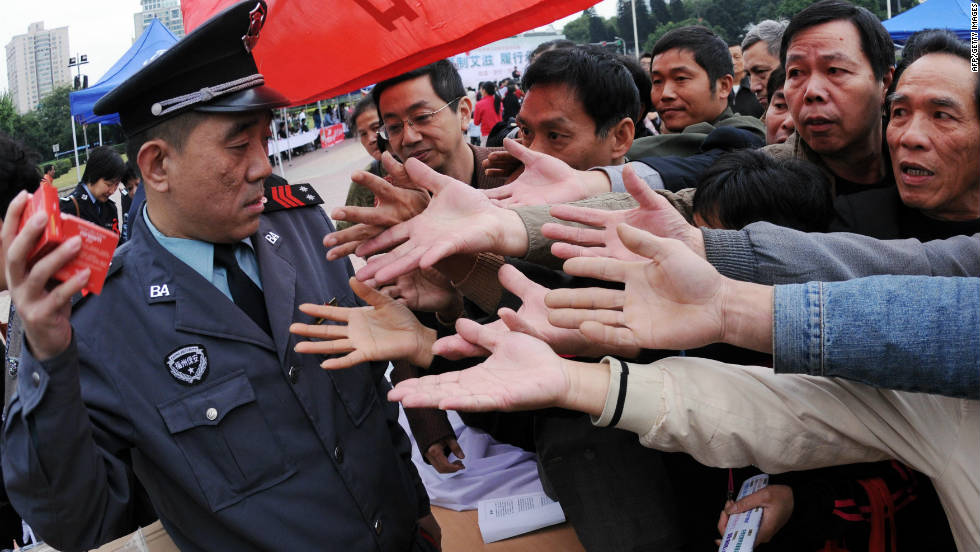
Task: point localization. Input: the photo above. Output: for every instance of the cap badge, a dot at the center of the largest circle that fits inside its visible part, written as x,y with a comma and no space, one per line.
256,20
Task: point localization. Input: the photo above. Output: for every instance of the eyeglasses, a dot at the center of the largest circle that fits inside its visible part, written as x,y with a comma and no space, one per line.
418,122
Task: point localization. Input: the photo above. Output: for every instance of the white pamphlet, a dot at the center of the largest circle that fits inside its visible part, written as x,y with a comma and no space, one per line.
742,529
505,517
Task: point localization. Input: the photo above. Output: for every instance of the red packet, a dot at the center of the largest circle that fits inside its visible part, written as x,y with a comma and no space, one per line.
98,244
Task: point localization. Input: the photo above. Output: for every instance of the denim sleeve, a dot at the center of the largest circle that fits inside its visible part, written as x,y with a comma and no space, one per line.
911,333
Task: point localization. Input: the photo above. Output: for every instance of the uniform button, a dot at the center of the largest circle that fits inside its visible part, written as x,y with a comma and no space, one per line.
338,454
211,413
377,526
293,374
36,378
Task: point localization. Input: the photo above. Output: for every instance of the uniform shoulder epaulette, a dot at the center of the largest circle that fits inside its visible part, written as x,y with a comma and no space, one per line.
280,196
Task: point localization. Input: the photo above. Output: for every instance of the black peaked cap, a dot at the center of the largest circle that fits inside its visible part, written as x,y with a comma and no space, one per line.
212,68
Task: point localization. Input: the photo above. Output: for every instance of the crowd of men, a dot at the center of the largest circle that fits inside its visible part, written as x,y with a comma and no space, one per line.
658,317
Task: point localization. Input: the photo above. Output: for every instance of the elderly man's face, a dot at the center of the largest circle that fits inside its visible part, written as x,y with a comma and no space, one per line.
934,136
832,92
738,62
759,63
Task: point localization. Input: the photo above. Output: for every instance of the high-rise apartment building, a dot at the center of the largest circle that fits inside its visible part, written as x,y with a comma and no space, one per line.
167,11
37,63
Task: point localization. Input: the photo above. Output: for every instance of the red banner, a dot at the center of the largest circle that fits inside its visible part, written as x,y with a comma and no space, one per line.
331,135
313,50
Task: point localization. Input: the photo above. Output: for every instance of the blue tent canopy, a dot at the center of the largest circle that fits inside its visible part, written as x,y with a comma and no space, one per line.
154,40
932,14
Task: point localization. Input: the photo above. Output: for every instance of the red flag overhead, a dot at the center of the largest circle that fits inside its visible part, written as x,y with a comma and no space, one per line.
310,50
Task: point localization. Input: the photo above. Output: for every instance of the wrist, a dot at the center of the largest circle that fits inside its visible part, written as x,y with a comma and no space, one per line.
746,315
595,182
423,351
510,234
588,384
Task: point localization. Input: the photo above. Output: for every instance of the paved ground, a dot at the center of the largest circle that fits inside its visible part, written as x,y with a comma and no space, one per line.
328,170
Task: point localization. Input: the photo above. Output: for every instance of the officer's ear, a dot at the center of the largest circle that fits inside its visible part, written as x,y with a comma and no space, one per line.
153,160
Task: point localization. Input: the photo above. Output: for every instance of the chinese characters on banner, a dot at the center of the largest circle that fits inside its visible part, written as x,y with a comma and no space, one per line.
331,135
496,61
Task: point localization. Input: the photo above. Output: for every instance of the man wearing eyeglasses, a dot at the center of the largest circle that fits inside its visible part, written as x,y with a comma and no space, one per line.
424,114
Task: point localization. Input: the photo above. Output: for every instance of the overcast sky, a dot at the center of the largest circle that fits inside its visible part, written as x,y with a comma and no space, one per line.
103,29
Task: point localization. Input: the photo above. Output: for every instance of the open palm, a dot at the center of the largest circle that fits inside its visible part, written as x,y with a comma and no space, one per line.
522,373
386,330
459,219
673,301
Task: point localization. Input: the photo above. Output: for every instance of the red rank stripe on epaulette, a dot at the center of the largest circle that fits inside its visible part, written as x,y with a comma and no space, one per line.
283,195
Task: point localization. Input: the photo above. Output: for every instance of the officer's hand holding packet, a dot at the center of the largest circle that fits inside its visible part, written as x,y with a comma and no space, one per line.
97,247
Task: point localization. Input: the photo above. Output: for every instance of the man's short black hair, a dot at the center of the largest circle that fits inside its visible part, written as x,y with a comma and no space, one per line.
550,45
18,171
442,74
641,78
776,80
48,168
366,103
748,186
103,162
710,51
875,41
598,79
172,131
934,41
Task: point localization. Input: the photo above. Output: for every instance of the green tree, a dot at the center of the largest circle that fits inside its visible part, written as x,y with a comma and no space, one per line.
661,30
577,30
8,113
624,20
659,13
600,29
677,10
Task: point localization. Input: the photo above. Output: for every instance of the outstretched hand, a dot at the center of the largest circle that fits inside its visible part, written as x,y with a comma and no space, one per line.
44,306
654,214
675,300
532,319
459,219
545,180
522,373
385,330
395,202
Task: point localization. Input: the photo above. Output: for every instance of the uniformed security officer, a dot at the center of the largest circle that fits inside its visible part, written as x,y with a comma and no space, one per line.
241,443
90,199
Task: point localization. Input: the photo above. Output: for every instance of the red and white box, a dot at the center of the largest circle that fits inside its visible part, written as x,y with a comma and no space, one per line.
98,244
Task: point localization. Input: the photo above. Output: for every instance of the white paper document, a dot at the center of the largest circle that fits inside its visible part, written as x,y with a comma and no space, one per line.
505,517
742,529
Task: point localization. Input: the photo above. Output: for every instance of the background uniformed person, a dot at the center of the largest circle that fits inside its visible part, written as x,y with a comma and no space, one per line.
90,199
241,443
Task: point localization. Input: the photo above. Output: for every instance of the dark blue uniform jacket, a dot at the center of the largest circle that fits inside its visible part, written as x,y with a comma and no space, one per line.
241,443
